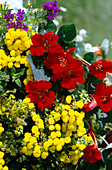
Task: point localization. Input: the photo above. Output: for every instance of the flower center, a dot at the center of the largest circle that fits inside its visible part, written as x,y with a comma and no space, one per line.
63,61
46,44
99,67
104,99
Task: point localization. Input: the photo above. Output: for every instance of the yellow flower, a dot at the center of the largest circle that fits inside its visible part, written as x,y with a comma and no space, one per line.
50,141
79,104
40,124
62,141
58,127
36,153
30,27
2,162
35,117
1,154
64,113
13,53
65,119
17,65
75,161
30,146
44,155
5,168
51,120
46,145
68,99
53,135
59,147
67,140
58,133
57,116
27,135
33,140
37,134
51,127
56,141
10,64
26,100
31,105
34,129
1,129
7,35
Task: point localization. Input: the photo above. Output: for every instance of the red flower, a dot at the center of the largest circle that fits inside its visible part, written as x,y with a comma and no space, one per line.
103,96
100,68
70,75
91,153
42,43
58,59
39,94
90,105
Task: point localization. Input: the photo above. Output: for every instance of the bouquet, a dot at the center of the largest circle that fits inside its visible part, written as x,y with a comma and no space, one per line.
55,96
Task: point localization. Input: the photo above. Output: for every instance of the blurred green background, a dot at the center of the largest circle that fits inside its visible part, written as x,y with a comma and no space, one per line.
93,15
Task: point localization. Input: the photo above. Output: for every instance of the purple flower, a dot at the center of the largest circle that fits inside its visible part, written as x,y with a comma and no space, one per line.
10,25
18,17
9,16
21,11
51,8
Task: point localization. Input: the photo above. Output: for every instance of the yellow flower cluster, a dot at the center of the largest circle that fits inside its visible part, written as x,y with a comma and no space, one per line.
62,128
30,141
2,162
17,41
71,131
16,62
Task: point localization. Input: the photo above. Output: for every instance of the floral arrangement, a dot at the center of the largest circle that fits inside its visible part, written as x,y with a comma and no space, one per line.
55,95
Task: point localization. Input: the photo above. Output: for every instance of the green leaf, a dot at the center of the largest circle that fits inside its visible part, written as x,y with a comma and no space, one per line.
90,57
13,71
101,126
46,27
67,33
67,45
105,152
18,82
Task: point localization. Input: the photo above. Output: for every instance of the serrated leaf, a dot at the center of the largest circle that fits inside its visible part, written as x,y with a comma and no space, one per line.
67,33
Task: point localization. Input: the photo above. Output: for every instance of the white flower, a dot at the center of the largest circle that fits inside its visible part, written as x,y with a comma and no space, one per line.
83,32
102,115
63,9
90,48
79,38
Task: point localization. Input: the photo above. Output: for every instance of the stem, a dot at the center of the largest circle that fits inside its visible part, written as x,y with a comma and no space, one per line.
78,56
94,139
104,140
